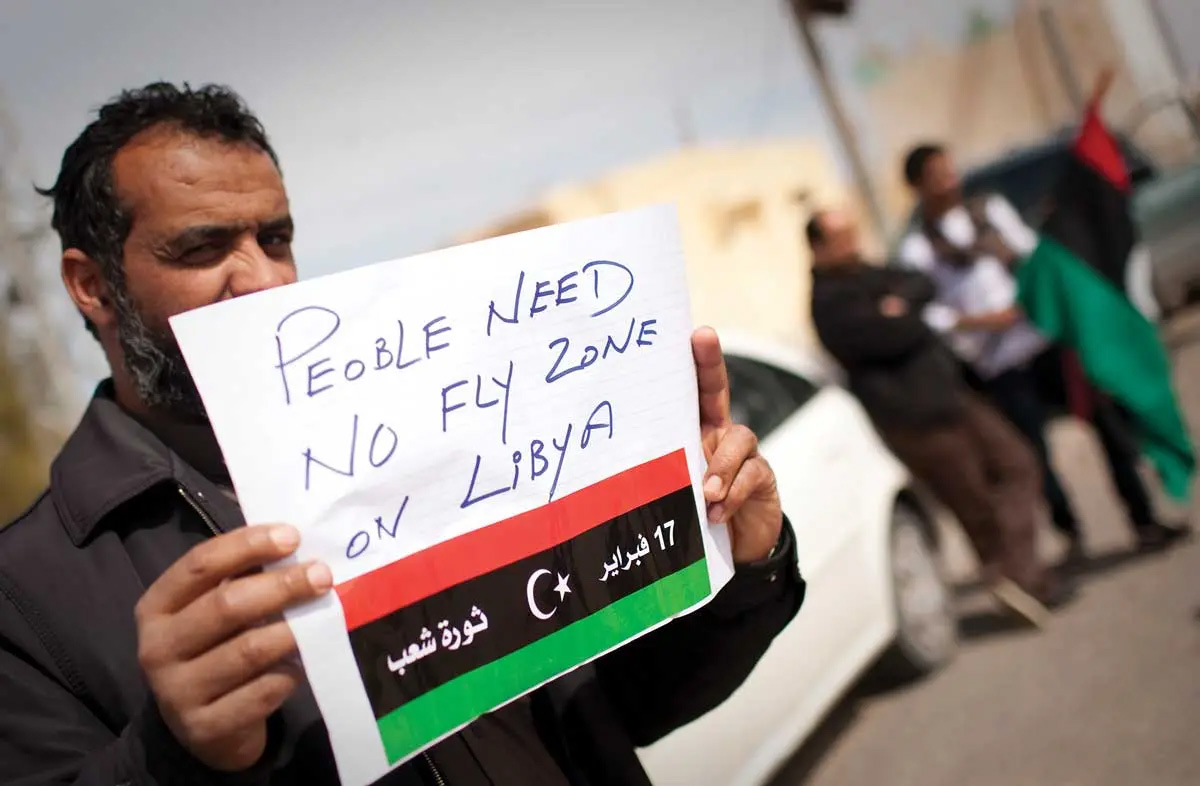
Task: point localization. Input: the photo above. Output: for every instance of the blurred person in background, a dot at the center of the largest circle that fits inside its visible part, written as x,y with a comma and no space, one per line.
140,641
870,319
969,247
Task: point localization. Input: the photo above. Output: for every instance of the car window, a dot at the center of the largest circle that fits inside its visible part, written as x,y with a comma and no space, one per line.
763,396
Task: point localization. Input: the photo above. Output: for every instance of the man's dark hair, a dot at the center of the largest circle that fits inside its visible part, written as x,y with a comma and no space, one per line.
917,158
87,213
814,231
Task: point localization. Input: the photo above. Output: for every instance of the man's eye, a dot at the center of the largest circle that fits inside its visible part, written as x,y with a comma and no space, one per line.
198,255
275,240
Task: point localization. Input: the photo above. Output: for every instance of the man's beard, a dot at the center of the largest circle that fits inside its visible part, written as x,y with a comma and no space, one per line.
155,363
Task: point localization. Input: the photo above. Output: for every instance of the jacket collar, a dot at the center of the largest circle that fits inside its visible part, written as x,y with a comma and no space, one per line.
108,460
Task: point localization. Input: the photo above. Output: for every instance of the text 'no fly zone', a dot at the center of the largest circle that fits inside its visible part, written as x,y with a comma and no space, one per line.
307,368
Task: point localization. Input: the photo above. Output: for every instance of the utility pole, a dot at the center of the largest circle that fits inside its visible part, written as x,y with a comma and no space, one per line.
805,13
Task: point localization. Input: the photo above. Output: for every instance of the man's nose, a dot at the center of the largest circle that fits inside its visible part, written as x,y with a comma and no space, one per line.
255,270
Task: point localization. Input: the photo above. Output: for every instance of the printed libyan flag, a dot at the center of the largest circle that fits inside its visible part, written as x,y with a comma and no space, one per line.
450,633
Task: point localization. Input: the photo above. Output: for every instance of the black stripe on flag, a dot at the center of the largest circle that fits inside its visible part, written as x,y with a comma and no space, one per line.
1091,212
510,607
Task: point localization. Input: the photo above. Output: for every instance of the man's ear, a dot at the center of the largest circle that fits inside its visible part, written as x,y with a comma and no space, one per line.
86,285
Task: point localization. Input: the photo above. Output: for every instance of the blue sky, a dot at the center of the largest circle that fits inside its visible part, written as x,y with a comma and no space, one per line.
402,124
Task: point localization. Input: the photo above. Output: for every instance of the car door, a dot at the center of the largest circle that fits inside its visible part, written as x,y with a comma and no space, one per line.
809,433
796,423
836,487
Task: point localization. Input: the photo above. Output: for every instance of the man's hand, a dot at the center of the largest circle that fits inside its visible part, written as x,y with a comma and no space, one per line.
994,321
893,306
212,645
739,485
991,243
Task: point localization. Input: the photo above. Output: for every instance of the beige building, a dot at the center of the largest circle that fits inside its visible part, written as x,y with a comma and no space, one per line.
1008,87
742,211
742,208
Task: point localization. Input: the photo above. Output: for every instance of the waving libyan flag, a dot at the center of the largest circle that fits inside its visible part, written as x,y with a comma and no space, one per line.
1072,288
447,634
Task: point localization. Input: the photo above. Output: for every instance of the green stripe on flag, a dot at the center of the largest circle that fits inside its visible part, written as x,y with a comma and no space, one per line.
454,704
1120,351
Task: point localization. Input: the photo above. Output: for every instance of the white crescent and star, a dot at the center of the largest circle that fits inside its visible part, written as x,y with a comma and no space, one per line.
561,588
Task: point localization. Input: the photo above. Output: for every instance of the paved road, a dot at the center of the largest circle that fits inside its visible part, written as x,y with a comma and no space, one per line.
1109,695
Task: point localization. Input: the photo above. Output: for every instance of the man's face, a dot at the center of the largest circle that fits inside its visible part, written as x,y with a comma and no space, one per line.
210,221
939,180
839,244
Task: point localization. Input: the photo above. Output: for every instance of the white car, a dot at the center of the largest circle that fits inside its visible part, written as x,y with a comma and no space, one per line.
867,547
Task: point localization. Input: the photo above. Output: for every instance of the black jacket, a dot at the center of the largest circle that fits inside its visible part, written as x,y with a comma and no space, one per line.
121,507
900,370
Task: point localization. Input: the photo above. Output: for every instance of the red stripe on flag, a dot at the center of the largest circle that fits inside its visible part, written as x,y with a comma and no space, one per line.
1096,147
406,581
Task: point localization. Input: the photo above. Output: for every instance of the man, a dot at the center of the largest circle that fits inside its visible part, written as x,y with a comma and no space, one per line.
140,642
968,247
870,319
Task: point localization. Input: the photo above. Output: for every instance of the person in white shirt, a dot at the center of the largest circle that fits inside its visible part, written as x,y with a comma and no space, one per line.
968,247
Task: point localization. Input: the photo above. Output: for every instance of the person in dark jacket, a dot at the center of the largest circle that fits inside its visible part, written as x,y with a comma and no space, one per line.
871,320
140,643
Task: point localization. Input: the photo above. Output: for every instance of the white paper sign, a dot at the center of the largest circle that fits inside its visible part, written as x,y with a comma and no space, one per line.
496,450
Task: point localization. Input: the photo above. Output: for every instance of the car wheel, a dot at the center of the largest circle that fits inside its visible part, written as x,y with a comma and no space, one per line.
926,624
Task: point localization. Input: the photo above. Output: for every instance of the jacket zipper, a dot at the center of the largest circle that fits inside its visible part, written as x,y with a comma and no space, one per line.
437,776
194,505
